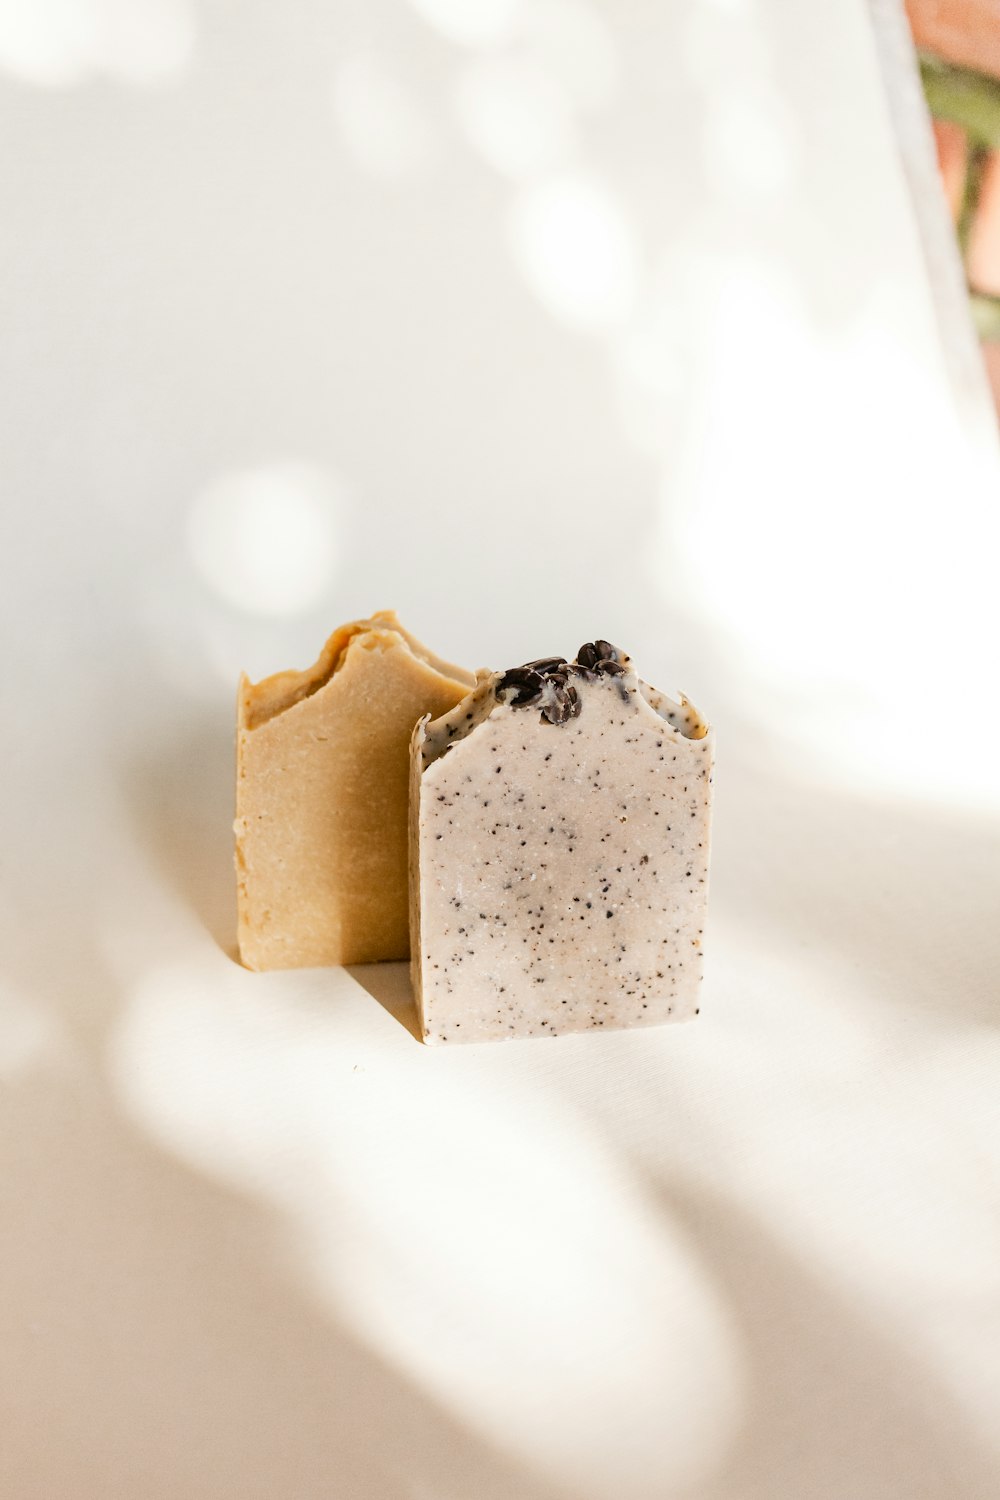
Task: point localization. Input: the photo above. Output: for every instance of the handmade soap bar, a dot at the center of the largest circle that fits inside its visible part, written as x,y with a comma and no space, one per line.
321,797
558,853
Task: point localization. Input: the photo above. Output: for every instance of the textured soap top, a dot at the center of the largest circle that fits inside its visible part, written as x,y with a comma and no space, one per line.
560,852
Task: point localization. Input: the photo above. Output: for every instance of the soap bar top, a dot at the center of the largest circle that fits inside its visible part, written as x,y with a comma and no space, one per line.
322,787
559,852
259,701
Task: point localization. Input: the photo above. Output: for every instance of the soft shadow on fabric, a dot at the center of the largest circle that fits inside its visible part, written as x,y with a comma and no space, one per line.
180,797
389,984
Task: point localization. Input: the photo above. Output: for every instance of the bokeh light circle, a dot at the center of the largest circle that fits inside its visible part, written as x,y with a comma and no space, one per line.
265,539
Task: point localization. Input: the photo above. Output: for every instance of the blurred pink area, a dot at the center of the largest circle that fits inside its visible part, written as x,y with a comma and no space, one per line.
965,32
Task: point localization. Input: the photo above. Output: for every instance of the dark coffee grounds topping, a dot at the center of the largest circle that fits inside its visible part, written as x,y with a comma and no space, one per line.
545,664
549,679
593,653
525,683
564,703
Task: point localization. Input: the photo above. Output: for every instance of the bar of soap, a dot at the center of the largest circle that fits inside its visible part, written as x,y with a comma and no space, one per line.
321,799
559,843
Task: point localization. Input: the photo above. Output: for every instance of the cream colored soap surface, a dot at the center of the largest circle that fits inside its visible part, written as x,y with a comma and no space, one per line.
559,870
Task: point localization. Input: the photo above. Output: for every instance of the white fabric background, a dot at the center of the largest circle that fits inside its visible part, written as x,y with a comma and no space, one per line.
534,322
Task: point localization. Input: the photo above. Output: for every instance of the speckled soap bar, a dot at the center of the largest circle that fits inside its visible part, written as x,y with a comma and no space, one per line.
559,843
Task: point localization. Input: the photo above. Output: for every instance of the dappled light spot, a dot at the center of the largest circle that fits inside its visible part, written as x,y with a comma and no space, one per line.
649,373
265,540
573,42
549,1263
817,561
59,43
471,23
381,123
576,250
502,1232
516,116
751,147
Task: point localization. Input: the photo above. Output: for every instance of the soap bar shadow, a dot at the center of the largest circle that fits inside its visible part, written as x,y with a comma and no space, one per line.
389,984
179,796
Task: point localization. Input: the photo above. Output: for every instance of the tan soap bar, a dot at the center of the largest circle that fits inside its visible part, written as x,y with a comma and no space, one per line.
559,847
321,797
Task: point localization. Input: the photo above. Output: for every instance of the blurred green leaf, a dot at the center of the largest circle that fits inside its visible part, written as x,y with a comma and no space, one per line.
967,99
986,316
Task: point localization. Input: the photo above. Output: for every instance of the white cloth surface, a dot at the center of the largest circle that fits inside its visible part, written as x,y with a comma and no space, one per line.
535,323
